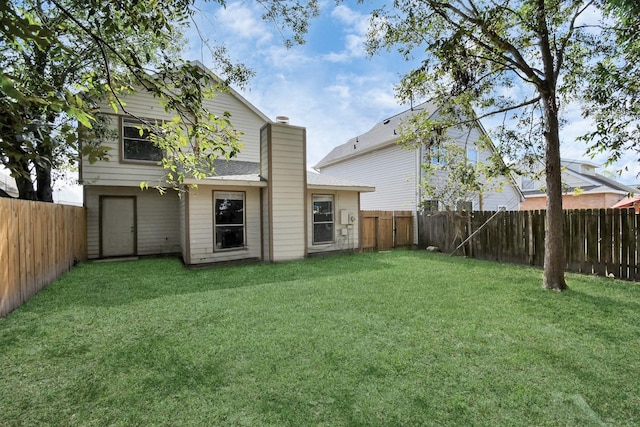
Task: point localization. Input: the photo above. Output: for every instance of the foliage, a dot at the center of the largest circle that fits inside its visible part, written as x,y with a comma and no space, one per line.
523,59
448,175
612,92
392,338
60,55
453,179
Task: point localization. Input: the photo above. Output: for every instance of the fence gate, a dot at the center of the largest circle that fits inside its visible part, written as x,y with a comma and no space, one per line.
382,230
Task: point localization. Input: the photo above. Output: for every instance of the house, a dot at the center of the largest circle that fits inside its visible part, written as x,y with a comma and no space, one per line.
376,157
583,187
262,206
7,186
628,203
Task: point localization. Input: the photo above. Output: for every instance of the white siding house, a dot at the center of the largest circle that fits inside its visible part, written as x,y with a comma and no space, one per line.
256,207
376,157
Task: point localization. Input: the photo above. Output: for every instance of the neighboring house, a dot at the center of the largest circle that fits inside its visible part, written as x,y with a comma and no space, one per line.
7,185
262,206
583,188
628,203
377,158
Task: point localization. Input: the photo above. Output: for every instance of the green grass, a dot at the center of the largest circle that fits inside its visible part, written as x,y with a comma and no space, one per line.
395,338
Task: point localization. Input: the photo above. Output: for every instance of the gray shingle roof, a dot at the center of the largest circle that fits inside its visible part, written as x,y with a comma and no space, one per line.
235,167
322,180
382,134
235,170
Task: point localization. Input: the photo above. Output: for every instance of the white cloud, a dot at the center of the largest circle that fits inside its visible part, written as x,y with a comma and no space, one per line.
238,20
341,57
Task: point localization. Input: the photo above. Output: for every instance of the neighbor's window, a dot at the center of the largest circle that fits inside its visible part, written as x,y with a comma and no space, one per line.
472,156
136,144
228,221
438,154
528,184
322,219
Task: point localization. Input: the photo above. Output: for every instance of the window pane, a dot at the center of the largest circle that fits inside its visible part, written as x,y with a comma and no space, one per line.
137,146
229,219
229,212
229,237
472,155
322,211
141,150
323,233
134,132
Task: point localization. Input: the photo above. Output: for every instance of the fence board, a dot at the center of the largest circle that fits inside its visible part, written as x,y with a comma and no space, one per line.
38,243
601,241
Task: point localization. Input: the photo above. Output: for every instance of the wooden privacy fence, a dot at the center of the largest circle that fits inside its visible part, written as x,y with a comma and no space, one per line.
596,241
386,229
38,243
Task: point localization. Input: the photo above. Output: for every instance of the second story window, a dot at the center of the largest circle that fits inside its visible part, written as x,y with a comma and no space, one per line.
136,144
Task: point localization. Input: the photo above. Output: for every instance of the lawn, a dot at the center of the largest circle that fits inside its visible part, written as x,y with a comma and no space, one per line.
394,338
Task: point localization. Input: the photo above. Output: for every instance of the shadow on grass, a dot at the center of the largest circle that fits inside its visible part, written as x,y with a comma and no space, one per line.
124,282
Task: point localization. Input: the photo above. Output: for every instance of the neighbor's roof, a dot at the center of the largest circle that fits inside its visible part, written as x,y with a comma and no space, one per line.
382,134
598,184
627,202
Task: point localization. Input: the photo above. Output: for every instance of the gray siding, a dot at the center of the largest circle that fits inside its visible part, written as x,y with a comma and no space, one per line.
142,104
157,219
391,170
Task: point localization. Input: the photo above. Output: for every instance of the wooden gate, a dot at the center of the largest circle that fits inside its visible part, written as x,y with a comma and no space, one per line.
382,230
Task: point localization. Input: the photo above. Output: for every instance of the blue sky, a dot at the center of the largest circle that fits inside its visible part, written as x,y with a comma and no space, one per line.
329,85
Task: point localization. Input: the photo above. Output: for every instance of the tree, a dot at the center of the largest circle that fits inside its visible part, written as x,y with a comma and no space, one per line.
479,53
60,55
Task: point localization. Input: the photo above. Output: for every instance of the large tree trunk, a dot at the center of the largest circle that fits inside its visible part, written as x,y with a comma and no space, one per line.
44,190
25,189
554,262
24,184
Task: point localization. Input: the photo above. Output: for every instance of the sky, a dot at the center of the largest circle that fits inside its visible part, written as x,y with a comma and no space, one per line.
329,85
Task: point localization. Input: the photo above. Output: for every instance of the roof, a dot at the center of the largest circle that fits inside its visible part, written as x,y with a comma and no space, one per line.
325,182
239,173
627,202
597,184
381,135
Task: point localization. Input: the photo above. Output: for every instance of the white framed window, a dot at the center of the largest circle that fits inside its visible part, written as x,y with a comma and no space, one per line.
136,144
323,219
228,220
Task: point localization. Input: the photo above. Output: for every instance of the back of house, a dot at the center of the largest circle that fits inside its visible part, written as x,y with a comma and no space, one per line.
259,206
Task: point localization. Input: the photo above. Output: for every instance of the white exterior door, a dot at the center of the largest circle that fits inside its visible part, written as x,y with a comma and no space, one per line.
118,226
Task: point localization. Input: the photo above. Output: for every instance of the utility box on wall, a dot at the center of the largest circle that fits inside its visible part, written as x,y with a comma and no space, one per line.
344,217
